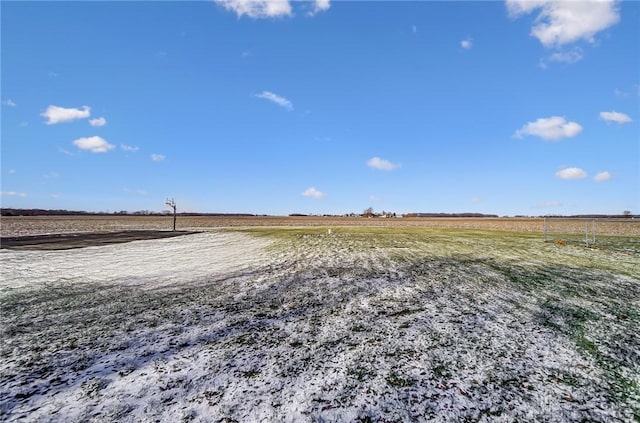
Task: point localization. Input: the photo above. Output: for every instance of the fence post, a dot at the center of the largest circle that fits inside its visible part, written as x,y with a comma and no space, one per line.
586,233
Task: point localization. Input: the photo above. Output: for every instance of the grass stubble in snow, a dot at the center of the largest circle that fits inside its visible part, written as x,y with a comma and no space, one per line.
296,324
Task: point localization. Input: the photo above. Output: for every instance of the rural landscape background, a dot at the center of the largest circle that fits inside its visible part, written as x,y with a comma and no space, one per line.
387,211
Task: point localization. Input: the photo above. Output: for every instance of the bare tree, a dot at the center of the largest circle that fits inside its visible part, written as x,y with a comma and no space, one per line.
172,203
368,212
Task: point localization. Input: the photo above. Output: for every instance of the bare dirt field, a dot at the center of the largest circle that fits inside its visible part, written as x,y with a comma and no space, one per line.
82,239
383,321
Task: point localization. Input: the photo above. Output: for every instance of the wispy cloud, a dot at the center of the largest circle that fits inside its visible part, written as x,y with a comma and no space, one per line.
257,9
466,44
561,22
98,121
553,128
314,193
51,175
131,148
280,101
157,157
55,114
602,176
11,171
616,117
571,173
476,200
93,144
567,57
13,194
65,152
9,102
382,164
619,93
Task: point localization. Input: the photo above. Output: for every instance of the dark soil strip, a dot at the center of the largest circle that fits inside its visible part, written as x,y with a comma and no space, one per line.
80,240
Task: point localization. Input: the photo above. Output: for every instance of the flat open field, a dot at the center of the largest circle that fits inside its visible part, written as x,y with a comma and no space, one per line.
360,323
23,225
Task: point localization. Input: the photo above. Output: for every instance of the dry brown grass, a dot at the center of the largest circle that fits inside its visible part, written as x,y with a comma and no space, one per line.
23,225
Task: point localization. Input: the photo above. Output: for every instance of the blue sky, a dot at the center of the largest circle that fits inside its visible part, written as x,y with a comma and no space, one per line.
278,107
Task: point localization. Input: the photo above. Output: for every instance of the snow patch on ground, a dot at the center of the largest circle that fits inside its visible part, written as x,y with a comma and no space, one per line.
226,326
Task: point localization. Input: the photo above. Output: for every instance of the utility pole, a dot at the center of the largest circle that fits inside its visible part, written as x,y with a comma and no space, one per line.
172,203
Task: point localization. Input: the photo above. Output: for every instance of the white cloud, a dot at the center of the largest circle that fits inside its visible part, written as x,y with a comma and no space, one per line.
476,200
257,9
54,196
414,29
320,6
314,193
24,124
98,122
382,164
466,44
602,176
280,101
11,171
9,103
131,148
94,144
562,22
13,194
616,117
569,57
553,128
157,157
262,9
55,114
571,173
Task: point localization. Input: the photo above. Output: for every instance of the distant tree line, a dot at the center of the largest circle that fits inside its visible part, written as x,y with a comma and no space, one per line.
367,213
449,215
45,212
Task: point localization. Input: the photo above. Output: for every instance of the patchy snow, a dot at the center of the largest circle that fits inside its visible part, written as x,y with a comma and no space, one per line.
306,325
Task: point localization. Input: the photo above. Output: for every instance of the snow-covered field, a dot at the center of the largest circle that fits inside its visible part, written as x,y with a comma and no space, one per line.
285,324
